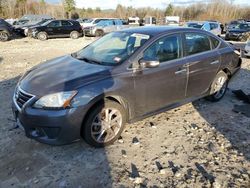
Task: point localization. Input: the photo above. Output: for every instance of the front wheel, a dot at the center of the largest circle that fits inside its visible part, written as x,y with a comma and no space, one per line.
104,124
42,36
218,87
4,36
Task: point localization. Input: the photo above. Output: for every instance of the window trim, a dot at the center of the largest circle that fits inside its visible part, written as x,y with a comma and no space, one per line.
55,21
179,34
66,25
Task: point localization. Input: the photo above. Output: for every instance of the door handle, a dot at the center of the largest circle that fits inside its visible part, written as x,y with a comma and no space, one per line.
181,71
214,62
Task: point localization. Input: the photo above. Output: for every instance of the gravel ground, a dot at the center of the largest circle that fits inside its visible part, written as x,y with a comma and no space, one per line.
201,144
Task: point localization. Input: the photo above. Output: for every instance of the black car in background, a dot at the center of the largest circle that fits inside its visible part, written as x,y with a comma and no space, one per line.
56,29
237,33
6,30
27,29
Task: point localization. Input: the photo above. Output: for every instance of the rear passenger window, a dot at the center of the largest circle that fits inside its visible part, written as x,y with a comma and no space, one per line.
215,42
66,23
197,43
165,49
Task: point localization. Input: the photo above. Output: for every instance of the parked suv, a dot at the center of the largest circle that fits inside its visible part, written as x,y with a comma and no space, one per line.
104,27
213,27
57,28
123,77
6,30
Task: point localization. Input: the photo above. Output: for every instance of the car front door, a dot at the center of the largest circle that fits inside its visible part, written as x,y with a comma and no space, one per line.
161,86
203,63
54,28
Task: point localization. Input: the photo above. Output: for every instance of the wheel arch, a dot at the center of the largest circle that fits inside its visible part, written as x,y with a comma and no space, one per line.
227,71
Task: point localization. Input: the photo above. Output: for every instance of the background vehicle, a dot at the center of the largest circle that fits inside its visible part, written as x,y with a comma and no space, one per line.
247,49
26,30
134,20
6,30
233,24
57,28
27,21
213,27
172,20
239,32
92,93
149,21
103,27
82,20
92,22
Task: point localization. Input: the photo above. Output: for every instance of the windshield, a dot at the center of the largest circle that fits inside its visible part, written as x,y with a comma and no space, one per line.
113,48
46,23
41,22
243,26
195,25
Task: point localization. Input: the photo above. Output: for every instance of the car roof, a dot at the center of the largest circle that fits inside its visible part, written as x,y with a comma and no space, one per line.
155,30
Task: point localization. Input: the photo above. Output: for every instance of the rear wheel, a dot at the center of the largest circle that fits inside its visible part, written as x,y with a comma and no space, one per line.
4,36
218,87
42,36
104,124
74,35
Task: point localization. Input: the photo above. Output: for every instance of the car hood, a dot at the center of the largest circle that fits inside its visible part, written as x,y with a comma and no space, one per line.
62,74
87,25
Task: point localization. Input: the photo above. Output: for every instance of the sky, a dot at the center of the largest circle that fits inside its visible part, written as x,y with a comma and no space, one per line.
111,4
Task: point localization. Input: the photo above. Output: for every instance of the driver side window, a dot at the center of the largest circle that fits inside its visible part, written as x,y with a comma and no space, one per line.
165,49
55,24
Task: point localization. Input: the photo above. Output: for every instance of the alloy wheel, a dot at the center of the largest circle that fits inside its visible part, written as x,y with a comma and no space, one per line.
106,125
220,87
3,36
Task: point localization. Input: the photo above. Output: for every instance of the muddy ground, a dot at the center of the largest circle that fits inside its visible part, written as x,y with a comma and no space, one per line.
201,144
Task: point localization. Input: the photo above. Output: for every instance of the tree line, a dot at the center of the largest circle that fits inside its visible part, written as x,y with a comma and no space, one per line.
221,10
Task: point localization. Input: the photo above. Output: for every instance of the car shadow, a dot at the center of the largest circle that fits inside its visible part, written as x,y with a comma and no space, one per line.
28,163
235,127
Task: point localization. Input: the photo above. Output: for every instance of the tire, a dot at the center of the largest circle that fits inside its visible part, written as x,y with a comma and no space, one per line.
94,131
74,35
42,36
99,33
218,87
4,36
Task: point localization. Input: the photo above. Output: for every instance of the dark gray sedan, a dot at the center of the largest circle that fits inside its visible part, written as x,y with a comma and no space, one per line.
122,77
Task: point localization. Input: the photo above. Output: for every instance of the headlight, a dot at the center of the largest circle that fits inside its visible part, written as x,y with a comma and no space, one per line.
56,100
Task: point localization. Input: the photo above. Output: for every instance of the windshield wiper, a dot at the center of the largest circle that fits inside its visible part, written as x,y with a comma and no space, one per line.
87,60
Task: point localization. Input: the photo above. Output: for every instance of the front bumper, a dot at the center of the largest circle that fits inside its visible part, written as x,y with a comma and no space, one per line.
89,32
54,127
232,36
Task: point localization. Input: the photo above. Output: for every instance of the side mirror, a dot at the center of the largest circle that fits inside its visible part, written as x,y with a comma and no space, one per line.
149,63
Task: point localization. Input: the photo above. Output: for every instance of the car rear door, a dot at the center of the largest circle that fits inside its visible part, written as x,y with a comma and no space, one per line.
203,63
66,28
161,86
